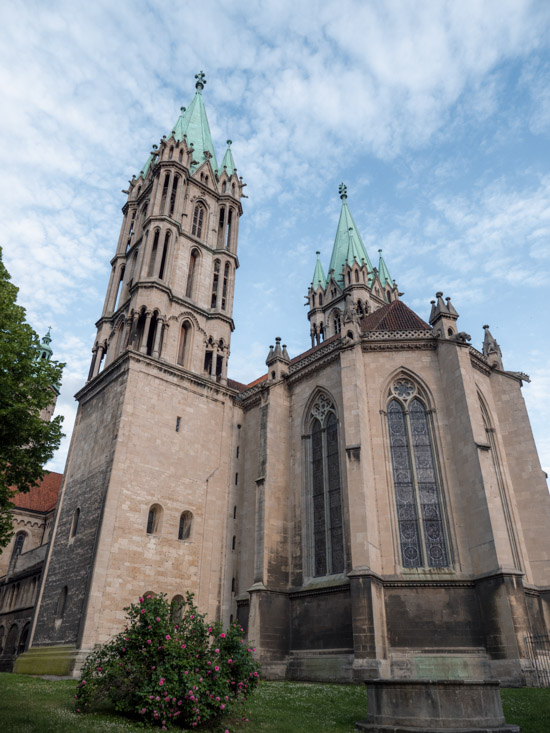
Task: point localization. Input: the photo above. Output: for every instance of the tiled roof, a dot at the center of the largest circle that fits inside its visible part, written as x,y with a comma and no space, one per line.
42,498
314,349
395,316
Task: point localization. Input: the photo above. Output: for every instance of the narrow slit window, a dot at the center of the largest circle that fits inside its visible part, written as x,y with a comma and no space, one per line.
215,283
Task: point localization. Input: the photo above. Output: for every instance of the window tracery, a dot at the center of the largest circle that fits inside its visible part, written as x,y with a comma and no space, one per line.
325,496
417,493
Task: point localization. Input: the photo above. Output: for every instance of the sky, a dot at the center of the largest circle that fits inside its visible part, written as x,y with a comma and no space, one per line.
436,115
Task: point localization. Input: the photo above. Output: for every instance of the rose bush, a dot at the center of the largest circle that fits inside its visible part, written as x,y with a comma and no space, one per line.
170,666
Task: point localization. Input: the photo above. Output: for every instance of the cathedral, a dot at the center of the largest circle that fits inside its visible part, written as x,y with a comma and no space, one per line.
371,508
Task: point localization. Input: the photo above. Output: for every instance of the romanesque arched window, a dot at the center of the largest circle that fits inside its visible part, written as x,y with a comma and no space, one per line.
186,522
185,335
417,493
324,491
198,221
193,260
154,518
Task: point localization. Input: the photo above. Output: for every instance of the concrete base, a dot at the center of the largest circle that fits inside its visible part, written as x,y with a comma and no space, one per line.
434,706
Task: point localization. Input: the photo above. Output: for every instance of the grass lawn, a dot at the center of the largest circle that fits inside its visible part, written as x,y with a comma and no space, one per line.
34,705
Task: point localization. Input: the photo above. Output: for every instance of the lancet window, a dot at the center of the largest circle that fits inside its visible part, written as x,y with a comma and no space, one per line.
198,221
417,491
153,257
326,535
215,284
191,273
184,342
225,285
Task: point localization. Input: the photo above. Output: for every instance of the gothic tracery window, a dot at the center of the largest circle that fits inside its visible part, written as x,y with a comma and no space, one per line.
417,493
198,221
326,525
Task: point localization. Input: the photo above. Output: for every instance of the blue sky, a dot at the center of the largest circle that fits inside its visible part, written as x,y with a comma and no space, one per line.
435,114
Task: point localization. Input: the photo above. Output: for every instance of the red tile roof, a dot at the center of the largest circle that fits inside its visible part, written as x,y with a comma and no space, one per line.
395,316
43,497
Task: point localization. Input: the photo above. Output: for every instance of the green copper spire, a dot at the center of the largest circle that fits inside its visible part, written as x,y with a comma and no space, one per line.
193,123
383,272
318,274
46,350
228,164
348,244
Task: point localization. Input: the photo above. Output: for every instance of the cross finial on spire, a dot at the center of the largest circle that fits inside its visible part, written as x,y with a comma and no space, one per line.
201,80
343,191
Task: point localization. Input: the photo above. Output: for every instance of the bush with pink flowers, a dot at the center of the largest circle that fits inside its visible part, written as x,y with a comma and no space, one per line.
170,667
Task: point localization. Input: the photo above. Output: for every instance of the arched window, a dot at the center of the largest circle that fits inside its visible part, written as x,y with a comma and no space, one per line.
356,276
18,545
171,152
154,519
417,494
61,605
224,187
153,257
173,194
186,521
164,192
337,321
11,641
191,273
324,493
221,226
74,525
215,283
131,230
185,334
176,608
164,255
225,285
228,232
320,299
198,221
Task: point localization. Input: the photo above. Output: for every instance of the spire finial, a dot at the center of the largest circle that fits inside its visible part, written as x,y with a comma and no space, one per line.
379,251
343,191
182,109
229,143
201,81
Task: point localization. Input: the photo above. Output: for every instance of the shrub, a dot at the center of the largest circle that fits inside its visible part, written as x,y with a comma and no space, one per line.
170,666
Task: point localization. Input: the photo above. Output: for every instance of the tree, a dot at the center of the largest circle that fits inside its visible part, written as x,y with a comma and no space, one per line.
27,386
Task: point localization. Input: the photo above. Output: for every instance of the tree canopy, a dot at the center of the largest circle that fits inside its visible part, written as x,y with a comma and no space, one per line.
27,386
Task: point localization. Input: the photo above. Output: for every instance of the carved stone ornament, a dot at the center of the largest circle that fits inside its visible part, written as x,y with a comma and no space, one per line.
403,389
321,407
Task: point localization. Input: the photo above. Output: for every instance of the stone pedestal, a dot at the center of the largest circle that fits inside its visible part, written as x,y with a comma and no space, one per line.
434,706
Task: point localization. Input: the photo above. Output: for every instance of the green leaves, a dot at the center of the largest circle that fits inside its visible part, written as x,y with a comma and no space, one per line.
170,665
27,386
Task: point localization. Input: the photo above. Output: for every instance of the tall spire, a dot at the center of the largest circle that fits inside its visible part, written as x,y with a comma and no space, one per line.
348,244
46,350
193,123
383,272
228,164
318,274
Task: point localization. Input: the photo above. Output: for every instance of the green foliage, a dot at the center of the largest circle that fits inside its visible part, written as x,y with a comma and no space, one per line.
26,441
170,666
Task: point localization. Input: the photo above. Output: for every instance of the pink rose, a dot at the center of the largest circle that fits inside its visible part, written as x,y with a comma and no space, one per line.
222,636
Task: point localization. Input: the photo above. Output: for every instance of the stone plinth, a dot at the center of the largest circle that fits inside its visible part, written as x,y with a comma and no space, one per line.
434,706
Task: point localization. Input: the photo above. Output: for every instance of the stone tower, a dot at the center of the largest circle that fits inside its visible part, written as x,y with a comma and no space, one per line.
147,488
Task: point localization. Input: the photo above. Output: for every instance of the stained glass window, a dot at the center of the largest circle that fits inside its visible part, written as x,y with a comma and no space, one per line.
326,496
419,515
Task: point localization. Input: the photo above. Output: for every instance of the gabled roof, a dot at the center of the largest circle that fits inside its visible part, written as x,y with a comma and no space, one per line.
43,497
395,316
348,244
